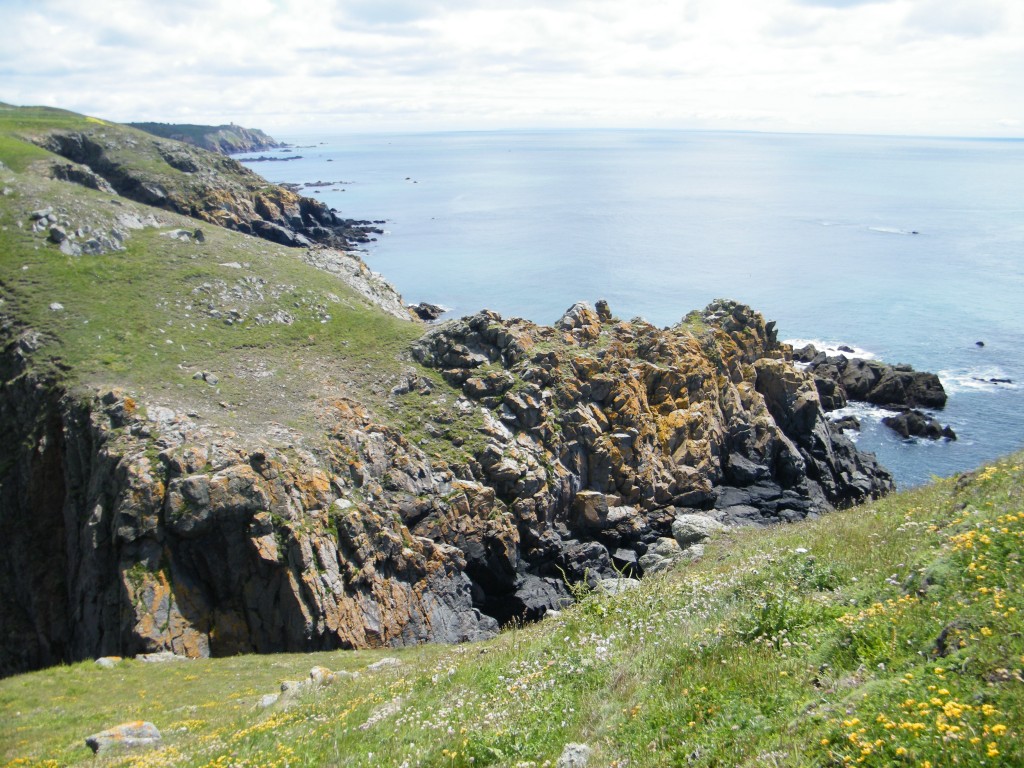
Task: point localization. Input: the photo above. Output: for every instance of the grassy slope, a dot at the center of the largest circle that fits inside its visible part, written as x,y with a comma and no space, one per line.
810,644
138,318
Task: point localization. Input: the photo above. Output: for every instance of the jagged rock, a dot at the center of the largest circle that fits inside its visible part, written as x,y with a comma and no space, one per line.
588,453
913,423
660,556
134,735
839,379
426,311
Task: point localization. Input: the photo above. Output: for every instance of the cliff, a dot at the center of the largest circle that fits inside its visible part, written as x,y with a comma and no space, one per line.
223,139
224,444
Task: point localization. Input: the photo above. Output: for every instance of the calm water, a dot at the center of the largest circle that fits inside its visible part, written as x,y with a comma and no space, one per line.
816,232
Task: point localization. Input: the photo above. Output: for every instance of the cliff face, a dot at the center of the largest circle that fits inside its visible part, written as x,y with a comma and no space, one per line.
190,181
225,139
131,528
427,487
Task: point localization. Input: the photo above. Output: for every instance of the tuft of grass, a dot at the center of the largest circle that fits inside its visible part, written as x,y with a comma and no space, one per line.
886,634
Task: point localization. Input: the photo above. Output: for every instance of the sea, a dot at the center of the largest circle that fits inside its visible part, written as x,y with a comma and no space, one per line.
908,249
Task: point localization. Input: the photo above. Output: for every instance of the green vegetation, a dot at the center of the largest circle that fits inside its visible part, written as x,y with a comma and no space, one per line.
887,634
148,317
217,138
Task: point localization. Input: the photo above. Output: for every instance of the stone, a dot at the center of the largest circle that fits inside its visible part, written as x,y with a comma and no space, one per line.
56,306
617,586
385,663
426,311
574,756
134,735
108,662
688,530
269,700
320,677
913,423
160,657
57,235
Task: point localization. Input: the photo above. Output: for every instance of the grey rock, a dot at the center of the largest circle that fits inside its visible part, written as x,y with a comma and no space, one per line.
108,662
617,586
58,235
688,530
133,735
574,756
269,700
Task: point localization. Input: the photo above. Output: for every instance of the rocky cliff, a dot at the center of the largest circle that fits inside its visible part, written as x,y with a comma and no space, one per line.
211,188
224,139
217,444
129,527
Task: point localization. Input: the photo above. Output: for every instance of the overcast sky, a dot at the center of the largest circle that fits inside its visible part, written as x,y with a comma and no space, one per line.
932,67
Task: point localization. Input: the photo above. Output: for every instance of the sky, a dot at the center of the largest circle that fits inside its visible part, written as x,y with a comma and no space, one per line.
295,67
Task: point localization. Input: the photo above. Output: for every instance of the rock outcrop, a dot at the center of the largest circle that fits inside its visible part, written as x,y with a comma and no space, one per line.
840,379
224,139
200,184
607,446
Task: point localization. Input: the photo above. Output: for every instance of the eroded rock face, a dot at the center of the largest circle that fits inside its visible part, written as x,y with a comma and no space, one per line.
599,437
206,186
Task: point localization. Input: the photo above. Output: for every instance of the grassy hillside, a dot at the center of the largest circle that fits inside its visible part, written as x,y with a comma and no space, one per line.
888,634
279,334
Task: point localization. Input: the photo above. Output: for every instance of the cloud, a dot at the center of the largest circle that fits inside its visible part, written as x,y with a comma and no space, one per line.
957,18
849,65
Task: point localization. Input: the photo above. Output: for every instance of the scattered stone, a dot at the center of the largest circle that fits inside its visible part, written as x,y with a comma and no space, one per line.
199,236
660,556
321,676
574,756
41,213
269,700
133,735
58,235
160,657
108,662
56,306
387,661
383,712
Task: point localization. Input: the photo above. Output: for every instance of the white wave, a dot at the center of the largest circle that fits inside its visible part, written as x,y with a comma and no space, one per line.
893,231
982,379
831,348
862,411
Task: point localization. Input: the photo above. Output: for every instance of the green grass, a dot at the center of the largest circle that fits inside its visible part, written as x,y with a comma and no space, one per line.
887,634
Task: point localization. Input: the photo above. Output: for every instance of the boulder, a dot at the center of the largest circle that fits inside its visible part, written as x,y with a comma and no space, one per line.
426,311
133,735
913,423
688,530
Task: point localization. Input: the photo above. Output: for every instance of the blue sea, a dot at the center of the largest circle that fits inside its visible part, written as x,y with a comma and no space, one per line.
909,249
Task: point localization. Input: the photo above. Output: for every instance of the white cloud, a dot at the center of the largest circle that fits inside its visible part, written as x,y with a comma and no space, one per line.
914,66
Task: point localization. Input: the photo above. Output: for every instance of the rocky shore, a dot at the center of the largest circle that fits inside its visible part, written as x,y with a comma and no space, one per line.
607,447
840,379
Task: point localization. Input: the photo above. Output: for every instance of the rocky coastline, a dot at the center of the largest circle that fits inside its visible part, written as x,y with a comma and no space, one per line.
434,482
606,447
840,380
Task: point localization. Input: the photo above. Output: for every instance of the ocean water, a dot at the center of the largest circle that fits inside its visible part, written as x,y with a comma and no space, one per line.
911,249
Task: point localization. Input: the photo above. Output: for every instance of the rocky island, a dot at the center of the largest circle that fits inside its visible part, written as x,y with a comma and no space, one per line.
227,435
